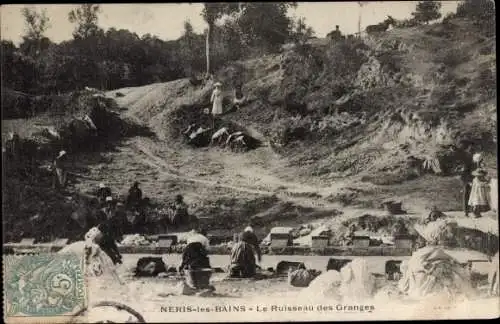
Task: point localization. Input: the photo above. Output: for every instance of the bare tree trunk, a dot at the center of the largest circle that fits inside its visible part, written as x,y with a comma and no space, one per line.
207,47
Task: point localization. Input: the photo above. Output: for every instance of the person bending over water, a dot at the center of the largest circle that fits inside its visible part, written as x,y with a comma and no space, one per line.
243,263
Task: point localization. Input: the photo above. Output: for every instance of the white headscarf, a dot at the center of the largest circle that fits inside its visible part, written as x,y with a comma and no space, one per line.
198,238
478,157
61,154
248,229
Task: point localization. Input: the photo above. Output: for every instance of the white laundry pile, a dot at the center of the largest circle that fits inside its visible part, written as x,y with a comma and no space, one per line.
357,281
195,237
354,282
388,293
432,272
134,240
97,262
325,286
437,231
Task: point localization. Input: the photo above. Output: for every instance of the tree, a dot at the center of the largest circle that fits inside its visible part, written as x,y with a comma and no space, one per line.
36,24
360,4
427,11
478,9
86,17
188,29
266,24
187,48
212,11
301,32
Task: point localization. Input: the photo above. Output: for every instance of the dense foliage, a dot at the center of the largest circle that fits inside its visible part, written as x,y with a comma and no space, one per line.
427,11
120,58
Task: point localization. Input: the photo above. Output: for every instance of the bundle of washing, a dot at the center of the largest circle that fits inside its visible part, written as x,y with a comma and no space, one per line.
357,281
432,272
440,231
134,240
192,236
325,286
389,293
302,277
97,262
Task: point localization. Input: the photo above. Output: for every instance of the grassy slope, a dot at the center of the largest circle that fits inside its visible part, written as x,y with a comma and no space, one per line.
437,73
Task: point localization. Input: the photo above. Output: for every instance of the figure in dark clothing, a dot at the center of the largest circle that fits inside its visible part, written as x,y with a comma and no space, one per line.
111,234
194,257
110,224
335,34
179,214
13,150
108,211
238,98
134,196
120,218
399,228
196,264
466,174
60,170
103,192
254,241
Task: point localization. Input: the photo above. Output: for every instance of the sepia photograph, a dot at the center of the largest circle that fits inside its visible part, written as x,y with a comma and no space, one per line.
249,161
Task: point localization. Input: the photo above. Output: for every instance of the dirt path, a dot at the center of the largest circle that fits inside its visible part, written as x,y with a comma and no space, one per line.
253,172
165,169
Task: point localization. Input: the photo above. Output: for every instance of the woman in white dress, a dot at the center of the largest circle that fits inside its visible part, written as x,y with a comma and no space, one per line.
216,99
480,193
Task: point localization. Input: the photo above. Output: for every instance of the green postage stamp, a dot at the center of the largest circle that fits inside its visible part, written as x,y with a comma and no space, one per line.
44,285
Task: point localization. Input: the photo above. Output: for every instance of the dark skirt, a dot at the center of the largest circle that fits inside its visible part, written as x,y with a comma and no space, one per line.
198,279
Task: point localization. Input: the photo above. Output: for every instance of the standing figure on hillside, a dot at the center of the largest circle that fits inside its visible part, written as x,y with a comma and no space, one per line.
120,217
111,233
103,192
216,100
60,172
134,197
108,211
13,149
480,193
335,34
465,152
238,99
478,161
179,215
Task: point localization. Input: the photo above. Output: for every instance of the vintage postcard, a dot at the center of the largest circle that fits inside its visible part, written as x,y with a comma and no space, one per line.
249,162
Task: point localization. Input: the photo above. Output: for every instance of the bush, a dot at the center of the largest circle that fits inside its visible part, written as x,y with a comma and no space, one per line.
449,16
452,57
407,23
386,179
345,57
482,12
287,130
